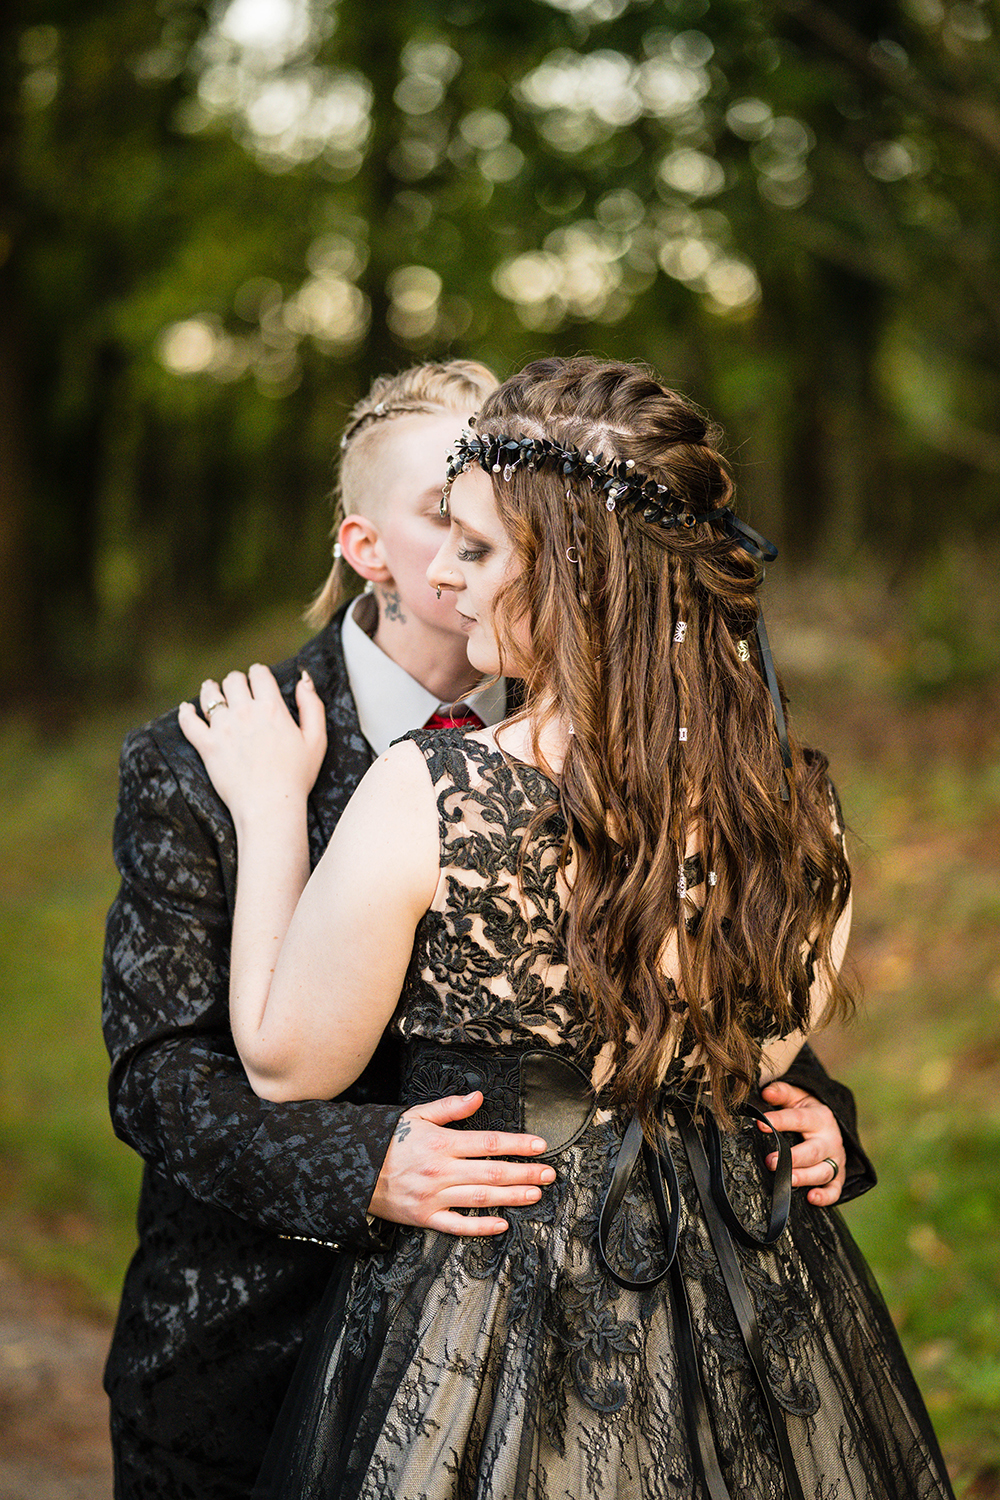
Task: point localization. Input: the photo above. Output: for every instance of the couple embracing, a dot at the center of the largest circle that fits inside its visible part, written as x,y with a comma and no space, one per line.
568,926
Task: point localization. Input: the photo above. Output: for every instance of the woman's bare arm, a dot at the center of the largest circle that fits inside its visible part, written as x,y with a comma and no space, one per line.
317,963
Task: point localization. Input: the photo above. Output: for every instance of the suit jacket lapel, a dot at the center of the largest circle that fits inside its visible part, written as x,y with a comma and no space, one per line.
348,754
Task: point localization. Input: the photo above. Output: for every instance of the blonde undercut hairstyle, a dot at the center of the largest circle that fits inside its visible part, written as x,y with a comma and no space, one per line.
457,385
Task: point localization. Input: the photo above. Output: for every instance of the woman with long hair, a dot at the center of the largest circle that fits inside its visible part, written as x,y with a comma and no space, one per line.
617,914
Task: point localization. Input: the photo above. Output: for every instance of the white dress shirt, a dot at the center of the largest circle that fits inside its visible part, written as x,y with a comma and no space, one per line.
389,701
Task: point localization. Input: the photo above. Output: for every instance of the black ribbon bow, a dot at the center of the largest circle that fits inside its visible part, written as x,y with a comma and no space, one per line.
702,1145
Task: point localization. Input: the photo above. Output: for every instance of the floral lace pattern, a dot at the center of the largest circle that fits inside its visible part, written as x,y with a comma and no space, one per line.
488,964
513,1366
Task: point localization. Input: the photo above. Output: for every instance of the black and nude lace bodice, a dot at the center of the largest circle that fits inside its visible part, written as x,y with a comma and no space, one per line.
489,963
489,959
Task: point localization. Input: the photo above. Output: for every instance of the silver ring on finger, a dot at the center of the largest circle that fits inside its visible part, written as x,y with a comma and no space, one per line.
219,703
835,1170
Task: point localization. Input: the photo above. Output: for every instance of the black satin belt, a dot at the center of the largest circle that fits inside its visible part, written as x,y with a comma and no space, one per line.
526,1088
702,1146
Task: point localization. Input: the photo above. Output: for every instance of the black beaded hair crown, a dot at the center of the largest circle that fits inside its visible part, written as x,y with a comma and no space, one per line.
623,485
619,480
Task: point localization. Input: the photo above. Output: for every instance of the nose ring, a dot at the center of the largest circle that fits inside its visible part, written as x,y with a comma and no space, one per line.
438,591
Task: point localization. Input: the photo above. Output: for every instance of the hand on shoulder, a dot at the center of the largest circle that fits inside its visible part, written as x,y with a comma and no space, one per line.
259,760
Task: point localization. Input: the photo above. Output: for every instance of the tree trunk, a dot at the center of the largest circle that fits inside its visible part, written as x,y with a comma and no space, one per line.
837,426
18,622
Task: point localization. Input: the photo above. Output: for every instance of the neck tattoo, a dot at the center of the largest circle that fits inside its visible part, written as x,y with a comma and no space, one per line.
393,605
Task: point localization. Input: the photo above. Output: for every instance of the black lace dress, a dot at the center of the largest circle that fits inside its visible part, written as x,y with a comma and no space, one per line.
518,1366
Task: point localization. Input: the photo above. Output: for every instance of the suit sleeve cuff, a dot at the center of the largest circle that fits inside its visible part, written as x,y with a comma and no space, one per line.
807,1073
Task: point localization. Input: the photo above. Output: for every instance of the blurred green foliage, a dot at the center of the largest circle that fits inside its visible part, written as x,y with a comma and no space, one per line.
67,1205
217,223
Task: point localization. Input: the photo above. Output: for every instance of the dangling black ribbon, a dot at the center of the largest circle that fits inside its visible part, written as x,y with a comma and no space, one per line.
763,552
701,1142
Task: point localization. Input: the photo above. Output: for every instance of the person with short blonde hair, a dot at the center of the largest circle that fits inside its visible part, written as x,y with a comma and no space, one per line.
368,464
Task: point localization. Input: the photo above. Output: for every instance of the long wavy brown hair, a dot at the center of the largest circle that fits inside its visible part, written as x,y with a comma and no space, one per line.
638,633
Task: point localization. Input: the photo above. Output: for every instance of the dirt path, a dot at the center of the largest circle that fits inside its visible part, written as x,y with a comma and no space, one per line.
53,1412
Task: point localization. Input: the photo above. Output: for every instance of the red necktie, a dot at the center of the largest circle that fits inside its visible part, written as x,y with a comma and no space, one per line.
464,719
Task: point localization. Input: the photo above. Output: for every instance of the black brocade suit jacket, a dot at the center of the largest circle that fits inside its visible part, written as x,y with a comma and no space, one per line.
217,1299
216,1302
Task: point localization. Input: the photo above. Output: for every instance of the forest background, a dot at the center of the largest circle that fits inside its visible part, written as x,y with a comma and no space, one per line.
219,222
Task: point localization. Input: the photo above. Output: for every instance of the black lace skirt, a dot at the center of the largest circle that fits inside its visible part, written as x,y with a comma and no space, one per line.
580,1355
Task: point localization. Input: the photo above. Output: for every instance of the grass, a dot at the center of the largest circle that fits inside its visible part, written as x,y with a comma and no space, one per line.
920,782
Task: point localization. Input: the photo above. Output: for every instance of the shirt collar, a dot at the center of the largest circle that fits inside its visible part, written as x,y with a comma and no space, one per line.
389,701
